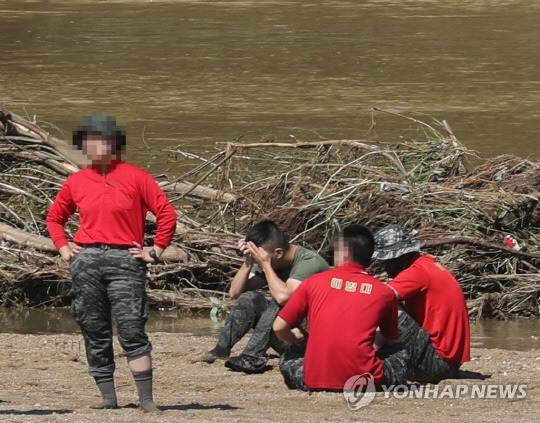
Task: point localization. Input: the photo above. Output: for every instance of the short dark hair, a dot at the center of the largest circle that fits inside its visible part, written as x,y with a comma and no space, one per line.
268,234
360,243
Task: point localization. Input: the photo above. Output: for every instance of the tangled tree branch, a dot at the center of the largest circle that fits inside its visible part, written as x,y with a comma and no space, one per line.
312,189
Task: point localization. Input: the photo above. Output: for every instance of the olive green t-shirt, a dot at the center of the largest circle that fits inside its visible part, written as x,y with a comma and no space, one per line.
305,263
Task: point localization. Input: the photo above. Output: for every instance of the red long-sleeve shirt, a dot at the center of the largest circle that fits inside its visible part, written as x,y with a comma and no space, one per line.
112,205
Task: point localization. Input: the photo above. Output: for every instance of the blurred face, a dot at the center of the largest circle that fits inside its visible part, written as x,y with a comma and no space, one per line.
98,148
341,252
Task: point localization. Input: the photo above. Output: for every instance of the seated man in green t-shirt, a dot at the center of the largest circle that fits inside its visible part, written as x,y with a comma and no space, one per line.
270,260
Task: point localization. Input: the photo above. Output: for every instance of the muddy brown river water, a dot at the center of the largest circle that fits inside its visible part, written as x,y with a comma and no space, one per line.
195,73
518,334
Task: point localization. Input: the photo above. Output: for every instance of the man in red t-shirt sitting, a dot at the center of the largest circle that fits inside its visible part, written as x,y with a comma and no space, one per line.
435,323
344,306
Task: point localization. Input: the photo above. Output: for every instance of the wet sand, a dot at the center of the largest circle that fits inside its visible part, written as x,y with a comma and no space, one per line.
45,380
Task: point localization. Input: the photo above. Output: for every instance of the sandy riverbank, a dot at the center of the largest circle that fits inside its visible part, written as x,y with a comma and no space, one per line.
45,380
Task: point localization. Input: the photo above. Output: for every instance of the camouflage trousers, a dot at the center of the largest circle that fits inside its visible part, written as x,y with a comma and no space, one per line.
252,311
106,283
426,363
395,359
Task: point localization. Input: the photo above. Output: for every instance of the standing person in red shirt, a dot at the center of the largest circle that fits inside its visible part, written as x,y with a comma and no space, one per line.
435,323
108,264
344,306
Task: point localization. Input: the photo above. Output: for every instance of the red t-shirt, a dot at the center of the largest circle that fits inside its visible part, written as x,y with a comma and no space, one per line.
112,207
434,299
344,307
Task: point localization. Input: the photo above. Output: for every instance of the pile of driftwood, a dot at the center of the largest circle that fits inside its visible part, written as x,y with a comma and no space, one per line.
460,206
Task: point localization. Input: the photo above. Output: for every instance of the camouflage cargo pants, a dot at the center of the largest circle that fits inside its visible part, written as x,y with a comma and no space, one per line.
106,283
395,360
426,363
252,311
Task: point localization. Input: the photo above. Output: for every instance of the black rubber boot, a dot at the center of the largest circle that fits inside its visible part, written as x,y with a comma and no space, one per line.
247,364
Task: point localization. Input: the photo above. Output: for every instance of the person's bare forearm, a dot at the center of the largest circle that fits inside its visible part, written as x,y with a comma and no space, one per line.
159,250
283,330
287,334
278,288
240,280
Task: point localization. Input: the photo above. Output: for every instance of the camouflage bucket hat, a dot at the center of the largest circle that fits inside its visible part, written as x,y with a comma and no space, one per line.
392,242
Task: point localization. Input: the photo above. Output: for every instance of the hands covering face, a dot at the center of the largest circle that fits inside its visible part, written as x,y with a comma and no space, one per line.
254,254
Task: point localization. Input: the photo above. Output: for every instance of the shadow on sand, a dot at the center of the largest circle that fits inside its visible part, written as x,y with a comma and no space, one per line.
191,406
466,374
34,412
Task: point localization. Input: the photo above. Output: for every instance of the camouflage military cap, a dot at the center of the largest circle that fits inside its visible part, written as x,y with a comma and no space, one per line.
392,242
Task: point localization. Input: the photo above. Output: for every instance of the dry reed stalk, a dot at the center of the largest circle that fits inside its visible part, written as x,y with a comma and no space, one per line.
312,189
